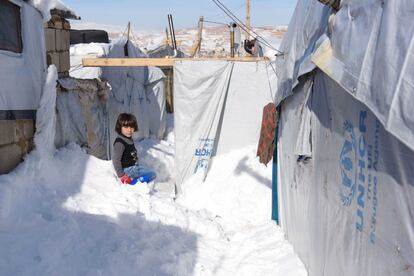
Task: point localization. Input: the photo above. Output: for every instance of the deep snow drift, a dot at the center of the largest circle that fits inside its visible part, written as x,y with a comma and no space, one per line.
69,215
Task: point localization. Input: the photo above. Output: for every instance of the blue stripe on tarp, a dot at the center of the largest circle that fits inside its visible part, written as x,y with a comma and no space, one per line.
275,209
17,114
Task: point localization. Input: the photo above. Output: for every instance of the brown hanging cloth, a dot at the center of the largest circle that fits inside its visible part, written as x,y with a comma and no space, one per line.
267,134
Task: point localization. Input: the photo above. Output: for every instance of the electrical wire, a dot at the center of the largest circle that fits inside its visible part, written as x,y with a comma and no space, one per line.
215,22
235,18
243,26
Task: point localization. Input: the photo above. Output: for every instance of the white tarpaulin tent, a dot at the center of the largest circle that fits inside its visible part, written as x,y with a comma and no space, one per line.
82,115
218,108
23,74
345,88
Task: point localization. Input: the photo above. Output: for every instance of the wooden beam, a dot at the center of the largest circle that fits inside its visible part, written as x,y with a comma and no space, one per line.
135,62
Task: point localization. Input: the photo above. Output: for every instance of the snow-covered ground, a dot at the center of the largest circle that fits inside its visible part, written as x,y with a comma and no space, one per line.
68,215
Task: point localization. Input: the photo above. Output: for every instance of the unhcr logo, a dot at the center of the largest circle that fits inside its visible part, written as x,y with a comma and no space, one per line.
353,168
347,158
358,163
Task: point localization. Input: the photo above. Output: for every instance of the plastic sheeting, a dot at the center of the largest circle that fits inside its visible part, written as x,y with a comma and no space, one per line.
350,46
346,137
22,75
368,36
347,210
155,99
82,115
218,107
309,22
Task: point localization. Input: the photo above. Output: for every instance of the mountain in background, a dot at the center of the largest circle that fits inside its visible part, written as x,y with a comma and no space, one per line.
215,40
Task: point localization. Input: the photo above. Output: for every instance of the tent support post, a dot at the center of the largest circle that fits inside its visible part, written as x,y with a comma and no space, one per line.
275,202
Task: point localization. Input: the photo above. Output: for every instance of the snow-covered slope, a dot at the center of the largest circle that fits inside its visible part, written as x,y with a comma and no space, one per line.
69,215
215,41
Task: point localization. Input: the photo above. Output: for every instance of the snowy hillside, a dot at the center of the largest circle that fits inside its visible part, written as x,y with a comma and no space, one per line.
215,41
69,215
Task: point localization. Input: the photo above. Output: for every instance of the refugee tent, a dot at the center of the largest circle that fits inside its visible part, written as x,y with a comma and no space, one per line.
346,137
136,90
22,73
217,108
22,60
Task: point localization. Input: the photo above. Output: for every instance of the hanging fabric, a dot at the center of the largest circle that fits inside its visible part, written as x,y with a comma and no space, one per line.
267,132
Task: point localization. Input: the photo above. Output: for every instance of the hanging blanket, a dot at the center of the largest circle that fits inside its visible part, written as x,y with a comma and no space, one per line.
267,134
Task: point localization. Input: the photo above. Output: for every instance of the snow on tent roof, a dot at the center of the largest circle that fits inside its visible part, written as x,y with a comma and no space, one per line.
364,49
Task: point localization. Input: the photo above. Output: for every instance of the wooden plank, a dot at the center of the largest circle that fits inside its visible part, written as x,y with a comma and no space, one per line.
168,62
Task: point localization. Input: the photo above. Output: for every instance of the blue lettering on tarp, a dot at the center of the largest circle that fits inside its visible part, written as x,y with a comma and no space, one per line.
375,186
203,153
360,181
361,171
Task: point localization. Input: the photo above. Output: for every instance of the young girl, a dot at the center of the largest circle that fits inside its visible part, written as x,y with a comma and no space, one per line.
124,157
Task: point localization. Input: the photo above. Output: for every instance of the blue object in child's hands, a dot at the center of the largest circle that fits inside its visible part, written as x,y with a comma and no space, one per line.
144,178
134,181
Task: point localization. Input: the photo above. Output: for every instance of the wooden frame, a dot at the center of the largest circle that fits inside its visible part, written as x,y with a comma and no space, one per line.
168,62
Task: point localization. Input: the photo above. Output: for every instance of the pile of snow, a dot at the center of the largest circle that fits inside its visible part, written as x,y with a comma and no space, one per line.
87,50
45,116
44,6
73,217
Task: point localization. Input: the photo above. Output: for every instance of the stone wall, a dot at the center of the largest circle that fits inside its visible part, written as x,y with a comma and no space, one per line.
57,41
16,140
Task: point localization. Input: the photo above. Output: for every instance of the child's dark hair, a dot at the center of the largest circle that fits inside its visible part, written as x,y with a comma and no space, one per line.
126,120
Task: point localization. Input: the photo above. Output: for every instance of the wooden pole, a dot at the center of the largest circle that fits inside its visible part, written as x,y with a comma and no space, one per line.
167,39
200,32
248,18
197,44
129,30
167,62
232,40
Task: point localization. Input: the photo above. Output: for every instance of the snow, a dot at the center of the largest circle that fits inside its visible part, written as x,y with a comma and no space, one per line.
46,119
215,40
44,6
72,217
87,50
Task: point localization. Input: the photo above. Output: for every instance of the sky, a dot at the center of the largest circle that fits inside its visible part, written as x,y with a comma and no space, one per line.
152,15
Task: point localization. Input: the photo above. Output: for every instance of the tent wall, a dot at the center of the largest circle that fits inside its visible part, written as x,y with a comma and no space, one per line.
218,107
23,74
347,208
82,115
21,77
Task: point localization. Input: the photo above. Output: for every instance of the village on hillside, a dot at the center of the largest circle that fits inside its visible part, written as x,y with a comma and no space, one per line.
218,149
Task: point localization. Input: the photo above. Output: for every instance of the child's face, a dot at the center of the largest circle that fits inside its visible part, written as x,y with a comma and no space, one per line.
127,131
